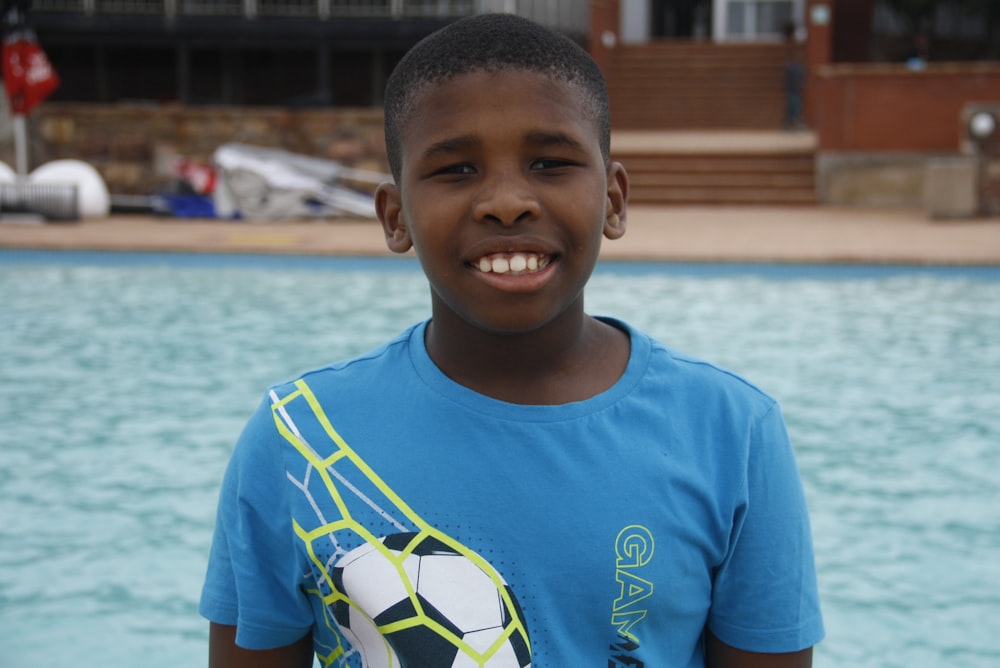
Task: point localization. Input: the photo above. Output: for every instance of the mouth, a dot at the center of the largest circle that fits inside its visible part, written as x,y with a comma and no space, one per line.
514,264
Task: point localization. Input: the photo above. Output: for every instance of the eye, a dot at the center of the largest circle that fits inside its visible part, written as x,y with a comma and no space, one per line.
460,169
548,164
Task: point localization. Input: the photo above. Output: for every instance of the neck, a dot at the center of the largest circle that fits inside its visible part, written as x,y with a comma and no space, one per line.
572,358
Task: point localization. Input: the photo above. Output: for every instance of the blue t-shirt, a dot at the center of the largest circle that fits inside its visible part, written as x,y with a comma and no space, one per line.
405,518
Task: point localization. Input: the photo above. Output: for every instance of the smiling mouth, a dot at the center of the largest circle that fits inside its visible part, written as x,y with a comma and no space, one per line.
512,263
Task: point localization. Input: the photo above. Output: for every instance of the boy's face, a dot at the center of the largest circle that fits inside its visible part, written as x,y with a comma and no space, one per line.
505,196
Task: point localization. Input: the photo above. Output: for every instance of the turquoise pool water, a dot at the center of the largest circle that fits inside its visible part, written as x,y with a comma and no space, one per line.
125,378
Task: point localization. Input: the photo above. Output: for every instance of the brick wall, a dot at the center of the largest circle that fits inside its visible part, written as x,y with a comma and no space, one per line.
135,146
880,107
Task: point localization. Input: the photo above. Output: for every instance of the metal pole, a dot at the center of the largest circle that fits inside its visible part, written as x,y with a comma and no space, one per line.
982,171
21,145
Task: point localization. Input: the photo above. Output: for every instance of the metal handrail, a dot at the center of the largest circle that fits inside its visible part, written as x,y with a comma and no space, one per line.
570,15
253,8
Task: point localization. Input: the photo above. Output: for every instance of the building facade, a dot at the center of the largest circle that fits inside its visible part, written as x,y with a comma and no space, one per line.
297,53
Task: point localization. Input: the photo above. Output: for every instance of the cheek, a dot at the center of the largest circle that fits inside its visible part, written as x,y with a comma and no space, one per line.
428,215
433,245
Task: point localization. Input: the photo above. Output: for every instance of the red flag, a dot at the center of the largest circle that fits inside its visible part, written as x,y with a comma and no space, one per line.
27,73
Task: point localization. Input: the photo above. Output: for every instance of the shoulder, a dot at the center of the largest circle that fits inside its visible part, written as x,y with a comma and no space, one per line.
366,369
696,380
357,385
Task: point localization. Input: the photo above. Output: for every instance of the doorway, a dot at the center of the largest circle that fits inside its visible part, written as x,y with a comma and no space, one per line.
680,19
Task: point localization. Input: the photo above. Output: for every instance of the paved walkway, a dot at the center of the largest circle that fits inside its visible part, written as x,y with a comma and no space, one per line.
707,234
690,233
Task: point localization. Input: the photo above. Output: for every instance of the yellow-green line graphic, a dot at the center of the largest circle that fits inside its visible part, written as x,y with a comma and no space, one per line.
403,592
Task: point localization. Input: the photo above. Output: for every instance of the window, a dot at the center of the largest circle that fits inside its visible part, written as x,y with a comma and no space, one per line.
750,19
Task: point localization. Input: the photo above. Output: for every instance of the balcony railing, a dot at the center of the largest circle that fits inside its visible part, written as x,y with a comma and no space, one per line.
567,15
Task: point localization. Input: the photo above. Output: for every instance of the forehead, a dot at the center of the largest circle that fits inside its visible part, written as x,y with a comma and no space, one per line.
488,103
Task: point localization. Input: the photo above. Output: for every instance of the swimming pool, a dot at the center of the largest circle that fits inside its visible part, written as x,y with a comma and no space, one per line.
125,378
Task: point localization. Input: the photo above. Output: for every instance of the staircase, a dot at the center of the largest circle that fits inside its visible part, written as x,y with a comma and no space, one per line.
699,123
734,167
671,85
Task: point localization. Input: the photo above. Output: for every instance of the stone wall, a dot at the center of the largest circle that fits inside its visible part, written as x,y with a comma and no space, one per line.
871,179
137,148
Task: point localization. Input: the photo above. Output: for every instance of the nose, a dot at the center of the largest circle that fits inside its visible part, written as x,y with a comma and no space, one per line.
506,198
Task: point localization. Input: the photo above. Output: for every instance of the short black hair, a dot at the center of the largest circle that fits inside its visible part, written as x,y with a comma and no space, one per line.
491,43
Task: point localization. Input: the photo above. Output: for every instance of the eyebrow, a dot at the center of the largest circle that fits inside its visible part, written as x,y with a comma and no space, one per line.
558,139
541,138
451,145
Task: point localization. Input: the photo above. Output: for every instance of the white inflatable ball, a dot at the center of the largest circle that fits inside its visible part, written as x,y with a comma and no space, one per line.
7,175
93,200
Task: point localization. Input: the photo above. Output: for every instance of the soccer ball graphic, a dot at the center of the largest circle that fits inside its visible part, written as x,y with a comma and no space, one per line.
413,600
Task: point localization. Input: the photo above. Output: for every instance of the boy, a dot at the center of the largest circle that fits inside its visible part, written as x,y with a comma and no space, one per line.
512,482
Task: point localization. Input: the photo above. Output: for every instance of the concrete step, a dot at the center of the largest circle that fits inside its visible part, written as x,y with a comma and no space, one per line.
661,196
754,116
720,180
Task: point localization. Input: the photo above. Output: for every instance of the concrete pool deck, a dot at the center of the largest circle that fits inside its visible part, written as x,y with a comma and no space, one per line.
808,234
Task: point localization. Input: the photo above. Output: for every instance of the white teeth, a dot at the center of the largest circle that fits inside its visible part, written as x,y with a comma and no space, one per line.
516,263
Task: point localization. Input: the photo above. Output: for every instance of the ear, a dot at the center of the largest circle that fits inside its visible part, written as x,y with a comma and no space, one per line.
615,209
389,209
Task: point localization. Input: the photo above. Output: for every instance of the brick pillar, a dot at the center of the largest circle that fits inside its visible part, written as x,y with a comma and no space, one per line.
819,52
605,31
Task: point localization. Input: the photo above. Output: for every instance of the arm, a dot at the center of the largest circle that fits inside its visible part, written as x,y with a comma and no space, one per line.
224,653
765,596
720,655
